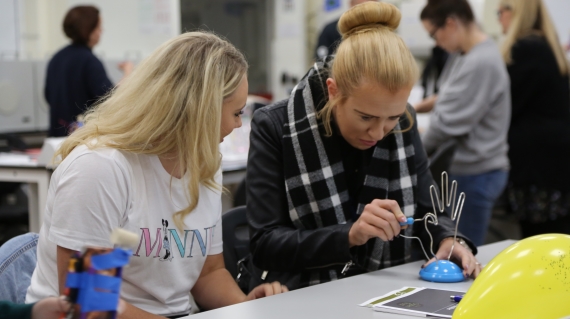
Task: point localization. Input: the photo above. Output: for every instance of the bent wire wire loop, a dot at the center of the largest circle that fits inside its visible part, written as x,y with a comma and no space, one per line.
447,199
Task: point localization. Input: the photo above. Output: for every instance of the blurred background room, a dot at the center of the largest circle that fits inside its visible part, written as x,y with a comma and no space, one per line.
280,39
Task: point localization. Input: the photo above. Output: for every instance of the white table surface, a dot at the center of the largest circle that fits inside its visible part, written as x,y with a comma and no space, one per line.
340,299
37,179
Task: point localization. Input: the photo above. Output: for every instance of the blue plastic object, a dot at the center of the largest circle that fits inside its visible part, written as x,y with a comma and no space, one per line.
442,271
408,221
98,292
118,257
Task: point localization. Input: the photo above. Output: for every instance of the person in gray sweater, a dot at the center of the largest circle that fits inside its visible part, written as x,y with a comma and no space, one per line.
473,107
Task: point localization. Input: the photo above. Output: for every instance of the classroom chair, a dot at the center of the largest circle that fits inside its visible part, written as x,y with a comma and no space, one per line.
235,233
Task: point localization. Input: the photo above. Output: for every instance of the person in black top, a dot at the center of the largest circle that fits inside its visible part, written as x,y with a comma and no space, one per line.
330,37
333,169
75,77
539,134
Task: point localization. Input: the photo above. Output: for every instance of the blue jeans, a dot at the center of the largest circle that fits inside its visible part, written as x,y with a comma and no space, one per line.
481,192
17,263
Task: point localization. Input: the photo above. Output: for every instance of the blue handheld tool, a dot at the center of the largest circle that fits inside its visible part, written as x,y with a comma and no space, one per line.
408,221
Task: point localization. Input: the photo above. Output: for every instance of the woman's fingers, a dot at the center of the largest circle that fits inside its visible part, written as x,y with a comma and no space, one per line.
383,219
380,218
391,207
373,231
428,262
278,288
471,267
475,268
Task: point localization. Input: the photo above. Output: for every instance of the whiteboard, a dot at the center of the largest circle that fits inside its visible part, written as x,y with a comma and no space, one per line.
17,112
132,29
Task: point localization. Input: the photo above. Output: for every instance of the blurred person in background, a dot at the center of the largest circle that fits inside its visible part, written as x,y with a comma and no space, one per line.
75,77
472,107
539,135
329,39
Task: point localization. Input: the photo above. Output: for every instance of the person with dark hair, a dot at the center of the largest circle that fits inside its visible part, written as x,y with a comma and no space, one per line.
75,77
538,192
473,107
329,38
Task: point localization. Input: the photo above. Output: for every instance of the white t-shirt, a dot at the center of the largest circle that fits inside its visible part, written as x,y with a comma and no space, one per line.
94,191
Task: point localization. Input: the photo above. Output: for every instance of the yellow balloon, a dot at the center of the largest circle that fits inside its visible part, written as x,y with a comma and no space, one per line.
530,279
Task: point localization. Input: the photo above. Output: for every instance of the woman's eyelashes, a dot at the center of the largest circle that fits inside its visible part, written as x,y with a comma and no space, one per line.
368,118
238,114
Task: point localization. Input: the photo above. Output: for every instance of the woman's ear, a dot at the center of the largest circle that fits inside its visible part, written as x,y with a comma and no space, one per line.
332,88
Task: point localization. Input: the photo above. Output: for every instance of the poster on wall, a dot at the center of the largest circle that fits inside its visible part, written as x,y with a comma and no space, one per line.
155,17
331,5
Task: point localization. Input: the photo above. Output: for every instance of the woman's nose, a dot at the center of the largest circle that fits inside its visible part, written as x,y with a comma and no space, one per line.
377,132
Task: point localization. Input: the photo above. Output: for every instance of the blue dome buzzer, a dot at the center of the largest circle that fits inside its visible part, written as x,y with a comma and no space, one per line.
442,271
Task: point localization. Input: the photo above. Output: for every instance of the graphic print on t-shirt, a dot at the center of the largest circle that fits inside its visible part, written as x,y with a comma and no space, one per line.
168,241
165,242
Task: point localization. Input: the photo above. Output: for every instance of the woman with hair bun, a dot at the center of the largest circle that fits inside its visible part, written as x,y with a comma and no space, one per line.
473,108
334,168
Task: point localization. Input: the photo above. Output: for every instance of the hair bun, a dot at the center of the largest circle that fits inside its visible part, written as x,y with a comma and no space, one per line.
367,15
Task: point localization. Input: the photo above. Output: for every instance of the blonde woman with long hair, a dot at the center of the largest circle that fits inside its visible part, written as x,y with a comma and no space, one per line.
539,192
333,169
147,160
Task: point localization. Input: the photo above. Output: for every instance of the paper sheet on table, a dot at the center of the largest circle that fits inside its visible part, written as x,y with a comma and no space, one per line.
419,302
389,296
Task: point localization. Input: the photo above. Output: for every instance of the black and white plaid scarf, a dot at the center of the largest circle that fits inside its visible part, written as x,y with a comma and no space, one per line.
315,179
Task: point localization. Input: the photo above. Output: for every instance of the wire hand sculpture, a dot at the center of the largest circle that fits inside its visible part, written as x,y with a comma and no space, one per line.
447,199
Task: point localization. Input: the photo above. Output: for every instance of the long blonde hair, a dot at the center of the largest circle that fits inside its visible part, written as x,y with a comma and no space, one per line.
370,50
170,104
531,17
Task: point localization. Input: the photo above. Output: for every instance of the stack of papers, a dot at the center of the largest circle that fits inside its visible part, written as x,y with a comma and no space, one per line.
419,302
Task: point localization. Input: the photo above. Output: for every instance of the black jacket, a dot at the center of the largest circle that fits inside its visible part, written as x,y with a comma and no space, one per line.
540,122
276,245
